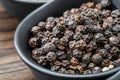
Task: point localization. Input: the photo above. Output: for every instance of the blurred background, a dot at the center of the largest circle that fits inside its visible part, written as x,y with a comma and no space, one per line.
11,67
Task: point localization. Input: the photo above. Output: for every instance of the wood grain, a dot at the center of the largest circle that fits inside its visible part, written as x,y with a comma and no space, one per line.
11,67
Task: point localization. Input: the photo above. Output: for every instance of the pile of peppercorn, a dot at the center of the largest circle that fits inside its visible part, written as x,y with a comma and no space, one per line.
84,40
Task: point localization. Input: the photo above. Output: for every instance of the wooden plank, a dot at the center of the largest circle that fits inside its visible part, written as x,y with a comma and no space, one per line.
6,44
8,24
22,74
11,66
6,36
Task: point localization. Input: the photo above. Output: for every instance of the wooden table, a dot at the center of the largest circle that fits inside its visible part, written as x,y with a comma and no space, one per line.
11,67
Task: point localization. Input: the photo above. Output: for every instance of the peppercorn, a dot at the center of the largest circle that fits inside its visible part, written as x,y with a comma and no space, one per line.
69,34
111,66
80,28
49,23
103,53
115,50
98,6
35,54
91,65
108,34
42,60
72,44
60,47
41,25
65,63
105,69
58,63
62,70
99,37
105,62
116,28
55,68
117,63
49,47
97,58
80,69
51,56
74,61
61,55
86,58
88,71
33,42
115,13
90,4
64,41
77,36
44,40
107,46
105,3
77,53
96,69
87,37
91,46
81,44
70,72
35,30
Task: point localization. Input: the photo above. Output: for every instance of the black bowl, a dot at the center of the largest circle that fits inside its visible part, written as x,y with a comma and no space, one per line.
20,9
22,35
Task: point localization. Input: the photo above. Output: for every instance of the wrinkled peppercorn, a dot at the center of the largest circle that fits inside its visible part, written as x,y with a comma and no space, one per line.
77,53
116,28
69,34
105,3
33,42
86,58
74,61
96,69
49,47
115,13
84,40
97,58
55,68
51,56
61,55
100,38
114,40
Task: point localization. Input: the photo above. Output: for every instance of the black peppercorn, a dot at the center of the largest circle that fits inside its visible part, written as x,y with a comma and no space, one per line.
86,58
96,69
77,53
33,42
61,55
114,40
55,68
81,44
64,41
99,37
35,30
69,34
41,25
97,58
51,56
103,53
49,47
116,28
115,13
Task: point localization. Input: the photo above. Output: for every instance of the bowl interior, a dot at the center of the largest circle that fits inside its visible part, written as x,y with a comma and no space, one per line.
22,34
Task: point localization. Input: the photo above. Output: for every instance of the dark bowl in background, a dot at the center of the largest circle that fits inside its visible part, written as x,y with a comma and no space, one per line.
20,9
22,36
